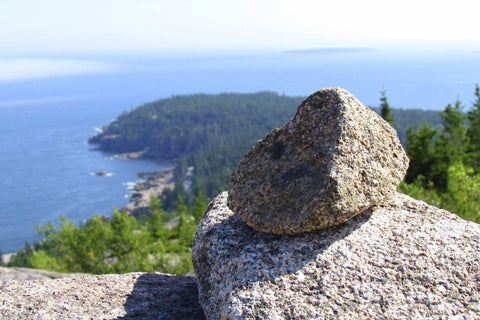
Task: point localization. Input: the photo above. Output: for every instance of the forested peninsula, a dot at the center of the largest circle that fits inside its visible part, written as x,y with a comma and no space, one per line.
212,133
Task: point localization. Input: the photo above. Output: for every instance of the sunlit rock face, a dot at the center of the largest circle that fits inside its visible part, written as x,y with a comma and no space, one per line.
401,260
334,159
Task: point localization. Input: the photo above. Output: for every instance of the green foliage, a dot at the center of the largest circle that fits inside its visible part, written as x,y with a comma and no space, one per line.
385,110
418,190
421,152
432,152
461,197
119,244
21,258
464,191
100,246
444,168
473,131
42,260
453,140
199,207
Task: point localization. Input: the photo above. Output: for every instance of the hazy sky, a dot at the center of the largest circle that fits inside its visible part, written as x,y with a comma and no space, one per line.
80,26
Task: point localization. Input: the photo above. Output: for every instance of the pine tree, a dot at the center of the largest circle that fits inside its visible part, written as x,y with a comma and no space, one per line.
454,137
421,153
156,217
385,108
450,147
199,207
473,132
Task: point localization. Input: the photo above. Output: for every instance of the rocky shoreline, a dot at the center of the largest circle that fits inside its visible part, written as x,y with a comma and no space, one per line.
153,185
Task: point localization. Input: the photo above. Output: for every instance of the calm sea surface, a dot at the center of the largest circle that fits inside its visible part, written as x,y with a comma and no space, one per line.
46,164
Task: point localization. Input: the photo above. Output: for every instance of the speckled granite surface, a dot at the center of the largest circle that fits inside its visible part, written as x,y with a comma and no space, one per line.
403,260
333,160
125,296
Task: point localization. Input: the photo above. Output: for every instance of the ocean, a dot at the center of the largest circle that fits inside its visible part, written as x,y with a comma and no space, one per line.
47,168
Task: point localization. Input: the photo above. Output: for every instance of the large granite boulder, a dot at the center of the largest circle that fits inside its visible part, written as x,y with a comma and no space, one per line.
402,260
333,160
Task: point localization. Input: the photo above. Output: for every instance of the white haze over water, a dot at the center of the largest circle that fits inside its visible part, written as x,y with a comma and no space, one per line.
16,69
41,101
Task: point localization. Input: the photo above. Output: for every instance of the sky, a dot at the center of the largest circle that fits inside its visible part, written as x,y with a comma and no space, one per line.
56,37
33,27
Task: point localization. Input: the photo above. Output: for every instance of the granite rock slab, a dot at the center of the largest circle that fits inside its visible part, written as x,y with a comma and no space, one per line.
113,296
401,260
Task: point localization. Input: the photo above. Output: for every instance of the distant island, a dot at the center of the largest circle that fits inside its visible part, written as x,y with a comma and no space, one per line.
330,50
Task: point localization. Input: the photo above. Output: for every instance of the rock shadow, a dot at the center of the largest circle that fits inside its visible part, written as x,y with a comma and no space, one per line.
259,256
164,297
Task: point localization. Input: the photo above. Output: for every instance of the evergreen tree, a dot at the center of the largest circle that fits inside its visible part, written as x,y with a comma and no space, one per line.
199,207
454,137
420,150
473,132
450,147
156,217
21,258
181,207
386,111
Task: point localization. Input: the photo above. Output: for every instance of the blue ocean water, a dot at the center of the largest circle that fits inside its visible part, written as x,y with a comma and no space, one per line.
46,162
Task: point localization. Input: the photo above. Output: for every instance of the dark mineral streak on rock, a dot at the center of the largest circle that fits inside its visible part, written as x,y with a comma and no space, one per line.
333,160
278,149
295,173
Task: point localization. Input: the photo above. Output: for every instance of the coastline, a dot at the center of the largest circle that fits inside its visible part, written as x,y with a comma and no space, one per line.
155,183
152,184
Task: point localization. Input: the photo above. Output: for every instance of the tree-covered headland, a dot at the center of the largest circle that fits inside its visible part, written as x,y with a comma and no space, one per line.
212,133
